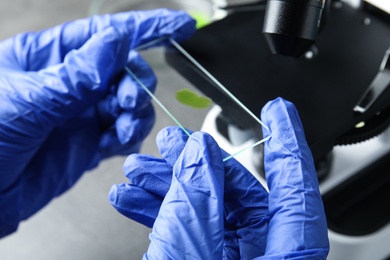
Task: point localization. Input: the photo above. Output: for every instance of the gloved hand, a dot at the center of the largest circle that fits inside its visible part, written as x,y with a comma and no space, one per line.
66,103
208,209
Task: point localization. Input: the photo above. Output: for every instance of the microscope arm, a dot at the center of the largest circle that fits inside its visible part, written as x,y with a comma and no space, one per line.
377,87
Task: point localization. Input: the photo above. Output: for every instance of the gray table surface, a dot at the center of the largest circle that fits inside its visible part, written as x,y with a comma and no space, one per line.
81,224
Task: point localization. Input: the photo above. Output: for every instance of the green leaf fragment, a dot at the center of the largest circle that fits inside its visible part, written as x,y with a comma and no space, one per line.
201,19
192,99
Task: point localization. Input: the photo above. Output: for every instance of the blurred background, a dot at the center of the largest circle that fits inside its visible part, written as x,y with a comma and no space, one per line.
81,224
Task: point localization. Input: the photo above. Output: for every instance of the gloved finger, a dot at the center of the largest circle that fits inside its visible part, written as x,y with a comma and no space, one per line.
131,95
246,207
149,173
150,179
190,221
35,51
108,110
168,136
109,145
130,108
134,127
135,203
297,226
246,213
127,134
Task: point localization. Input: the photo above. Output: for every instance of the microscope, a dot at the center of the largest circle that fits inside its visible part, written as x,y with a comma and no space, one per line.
331,59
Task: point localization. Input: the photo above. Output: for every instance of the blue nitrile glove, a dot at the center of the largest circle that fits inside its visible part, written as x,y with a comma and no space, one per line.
66,103
208,209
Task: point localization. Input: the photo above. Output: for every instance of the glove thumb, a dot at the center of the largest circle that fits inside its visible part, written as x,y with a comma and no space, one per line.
190,222
83,78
